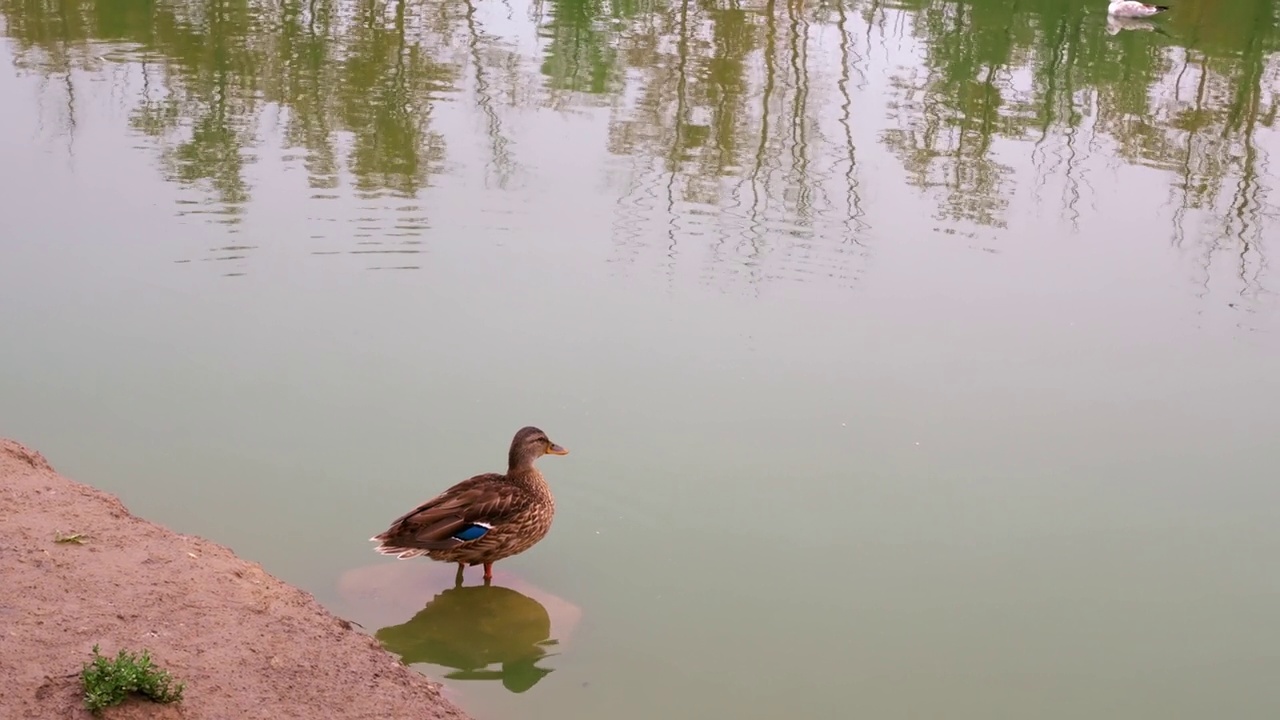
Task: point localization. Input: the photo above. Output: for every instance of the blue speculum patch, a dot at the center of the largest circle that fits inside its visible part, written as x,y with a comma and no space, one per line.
471,532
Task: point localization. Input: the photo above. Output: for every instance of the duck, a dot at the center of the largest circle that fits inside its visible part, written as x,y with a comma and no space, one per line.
482,519
1133,9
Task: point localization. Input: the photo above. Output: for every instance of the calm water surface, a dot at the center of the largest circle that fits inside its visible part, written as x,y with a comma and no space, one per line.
917,360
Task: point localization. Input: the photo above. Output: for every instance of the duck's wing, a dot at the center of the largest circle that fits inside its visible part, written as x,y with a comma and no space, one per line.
461,514
1134,9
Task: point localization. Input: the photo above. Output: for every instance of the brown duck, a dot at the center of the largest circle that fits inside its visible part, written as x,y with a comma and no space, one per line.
483,519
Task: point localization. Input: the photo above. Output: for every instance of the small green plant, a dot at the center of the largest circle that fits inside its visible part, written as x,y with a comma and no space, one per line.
108,682
72,538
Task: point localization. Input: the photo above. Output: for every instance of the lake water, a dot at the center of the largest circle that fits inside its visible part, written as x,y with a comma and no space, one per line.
916,360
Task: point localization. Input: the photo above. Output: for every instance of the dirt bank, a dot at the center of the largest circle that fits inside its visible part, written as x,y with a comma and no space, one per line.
246,644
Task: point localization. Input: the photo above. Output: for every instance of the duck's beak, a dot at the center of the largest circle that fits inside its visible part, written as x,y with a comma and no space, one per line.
556,450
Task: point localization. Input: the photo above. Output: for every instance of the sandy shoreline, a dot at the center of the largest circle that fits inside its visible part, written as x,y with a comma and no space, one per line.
246,644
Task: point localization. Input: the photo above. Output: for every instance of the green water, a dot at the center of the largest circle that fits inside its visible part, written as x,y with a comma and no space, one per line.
916,360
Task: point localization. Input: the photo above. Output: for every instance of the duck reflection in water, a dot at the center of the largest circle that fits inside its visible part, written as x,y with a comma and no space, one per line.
473,628
1118,24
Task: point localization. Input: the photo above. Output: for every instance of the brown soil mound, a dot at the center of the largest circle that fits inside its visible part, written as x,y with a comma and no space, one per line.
246,644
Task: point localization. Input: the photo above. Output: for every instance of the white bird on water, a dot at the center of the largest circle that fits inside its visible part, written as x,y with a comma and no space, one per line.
1133,9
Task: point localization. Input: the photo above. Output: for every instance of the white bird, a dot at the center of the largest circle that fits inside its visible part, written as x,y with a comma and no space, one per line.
1133,9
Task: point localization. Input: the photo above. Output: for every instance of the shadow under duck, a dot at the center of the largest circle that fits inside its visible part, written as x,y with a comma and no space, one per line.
483,519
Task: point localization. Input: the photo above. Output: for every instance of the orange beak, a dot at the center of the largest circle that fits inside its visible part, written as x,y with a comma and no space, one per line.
556,450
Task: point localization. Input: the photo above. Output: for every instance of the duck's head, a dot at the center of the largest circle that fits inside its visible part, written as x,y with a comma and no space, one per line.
529,444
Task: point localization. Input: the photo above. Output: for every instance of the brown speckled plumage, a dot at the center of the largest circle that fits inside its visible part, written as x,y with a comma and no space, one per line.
513,511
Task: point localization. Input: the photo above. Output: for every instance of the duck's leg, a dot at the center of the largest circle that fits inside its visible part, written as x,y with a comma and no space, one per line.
457,580
488,571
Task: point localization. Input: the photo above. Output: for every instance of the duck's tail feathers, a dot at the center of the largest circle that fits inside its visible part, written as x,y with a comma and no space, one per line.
402,553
